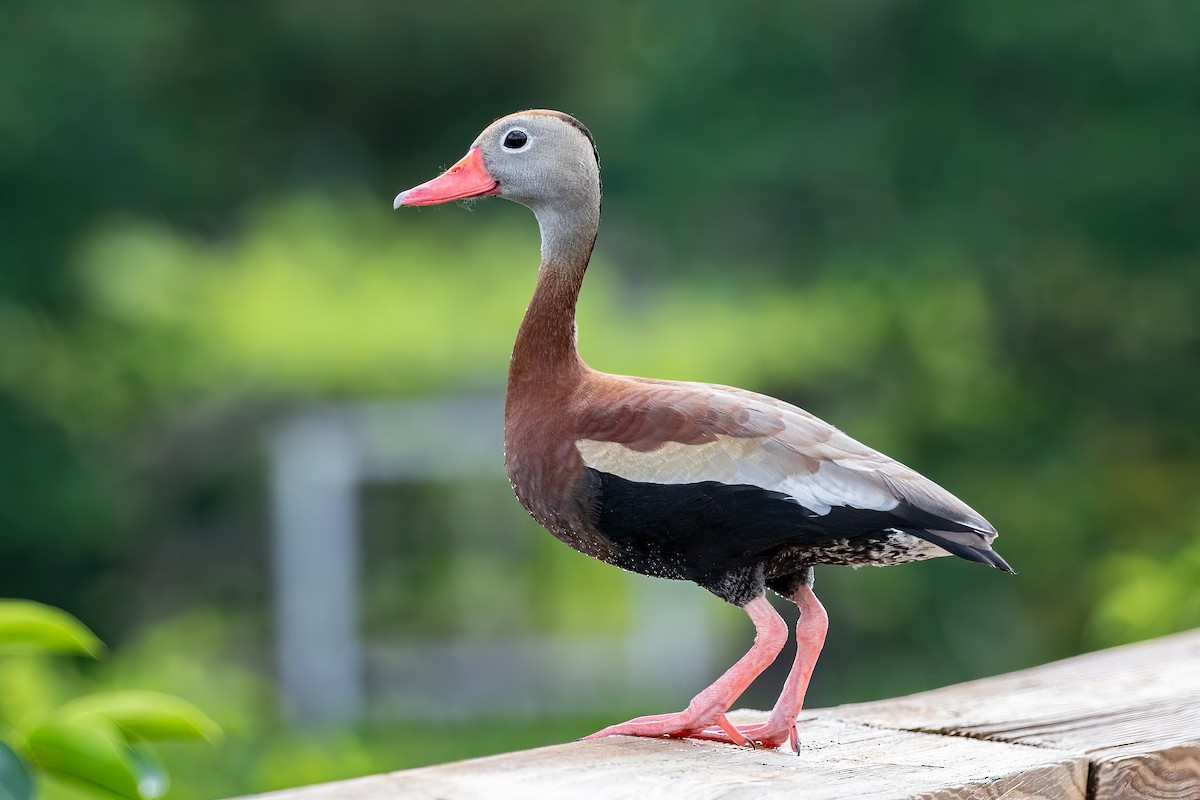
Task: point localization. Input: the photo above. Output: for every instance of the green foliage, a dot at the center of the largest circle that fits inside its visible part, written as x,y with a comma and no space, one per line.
92,751
1147,595
197,655
95,741
152,716
15,780
29,626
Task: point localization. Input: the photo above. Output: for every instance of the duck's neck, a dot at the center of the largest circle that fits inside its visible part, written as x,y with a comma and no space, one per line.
545,351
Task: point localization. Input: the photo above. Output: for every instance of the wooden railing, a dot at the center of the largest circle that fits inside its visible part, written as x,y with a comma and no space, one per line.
1121,723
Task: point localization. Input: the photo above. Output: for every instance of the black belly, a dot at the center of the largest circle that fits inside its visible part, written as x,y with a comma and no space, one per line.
732,539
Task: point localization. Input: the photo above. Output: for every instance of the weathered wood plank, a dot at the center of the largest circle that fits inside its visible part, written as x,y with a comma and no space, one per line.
1134,711
838,761
1169,773
1119,724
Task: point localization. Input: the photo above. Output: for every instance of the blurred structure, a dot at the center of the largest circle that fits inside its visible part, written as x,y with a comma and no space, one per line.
320,459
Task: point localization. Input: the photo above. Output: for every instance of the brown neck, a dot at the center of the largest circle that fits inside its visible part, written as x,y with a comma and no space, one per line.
545,349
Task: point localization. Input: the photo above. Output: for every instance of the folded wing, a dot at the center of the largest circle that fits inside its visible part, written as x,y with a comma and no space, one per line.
661,432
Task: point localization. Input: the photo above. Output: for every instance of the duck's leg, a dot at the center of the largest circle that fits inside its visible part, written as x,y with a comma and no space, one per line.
708,708
810,638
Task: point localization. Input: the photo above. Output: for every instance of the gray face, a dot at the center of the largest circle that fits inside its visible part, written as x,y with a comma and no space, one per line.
540,159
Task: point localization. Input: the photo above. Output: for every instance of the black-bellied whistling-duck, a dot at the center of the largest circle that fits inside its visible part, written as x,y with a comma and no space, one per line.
736,491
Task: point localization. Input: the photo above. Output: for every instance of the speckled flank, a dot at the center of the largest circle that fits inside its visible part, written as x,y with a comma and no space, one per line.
884,549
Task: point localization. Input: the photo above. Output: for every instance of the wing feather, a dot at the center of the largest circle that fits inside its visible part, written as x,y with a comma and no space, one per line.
673,433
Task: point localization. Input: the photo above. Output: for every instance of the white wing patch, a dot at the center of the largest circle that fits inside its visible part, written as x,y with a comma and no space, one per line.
816,485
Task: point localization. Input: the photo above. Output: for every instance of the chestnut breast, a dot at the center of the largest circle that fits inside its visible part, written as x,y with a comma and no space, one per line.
542,421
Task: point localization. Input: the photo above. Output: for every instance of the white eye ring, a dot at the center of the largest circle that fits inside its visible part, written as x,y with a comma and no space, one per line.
516,140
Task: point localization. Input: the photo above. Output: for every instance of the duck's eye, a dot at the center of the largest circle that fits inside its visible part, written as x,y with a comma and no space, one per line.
515,139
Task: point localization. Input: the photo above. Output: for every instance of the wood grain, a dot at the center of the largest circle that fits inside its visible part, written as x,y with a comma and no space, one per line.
1133,711
1121,724
1170,773
838,761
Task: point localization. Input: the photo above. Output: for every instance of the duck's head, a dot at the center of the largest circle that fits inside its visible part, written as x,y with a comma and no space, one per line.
540,159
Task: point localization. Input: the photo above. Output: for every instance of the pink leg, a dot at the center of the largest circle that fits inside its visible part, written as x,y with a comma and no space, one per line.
708,708
810,638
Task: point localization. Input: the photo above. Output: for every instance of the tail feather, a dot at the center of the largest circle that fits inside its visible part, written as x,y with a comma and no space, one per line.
971,546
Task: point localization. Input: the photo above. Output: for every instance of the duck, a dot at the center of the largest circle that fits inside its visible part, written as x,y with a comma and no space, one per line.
735,491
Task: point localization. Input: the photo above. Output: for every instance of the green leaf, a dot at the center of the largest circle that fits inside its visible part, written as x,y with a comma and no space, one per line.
91,752
15,783
29,626
145,715
153,780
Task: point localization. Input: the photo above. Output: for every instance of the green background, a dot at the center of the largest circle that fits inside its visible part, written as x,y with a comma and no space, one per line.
964,233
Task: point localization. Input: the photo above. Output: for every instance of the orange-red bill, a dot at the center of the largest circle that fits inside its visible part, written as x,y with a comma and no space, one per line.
468,178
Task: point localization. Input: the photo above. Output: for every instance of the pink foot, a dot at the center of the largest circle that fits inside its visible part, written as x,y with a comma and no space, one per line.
762,735
707,710
683,725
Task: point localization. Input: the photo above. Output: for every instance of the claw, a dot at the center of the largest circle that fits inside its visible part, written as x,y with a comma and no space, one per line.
732,731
